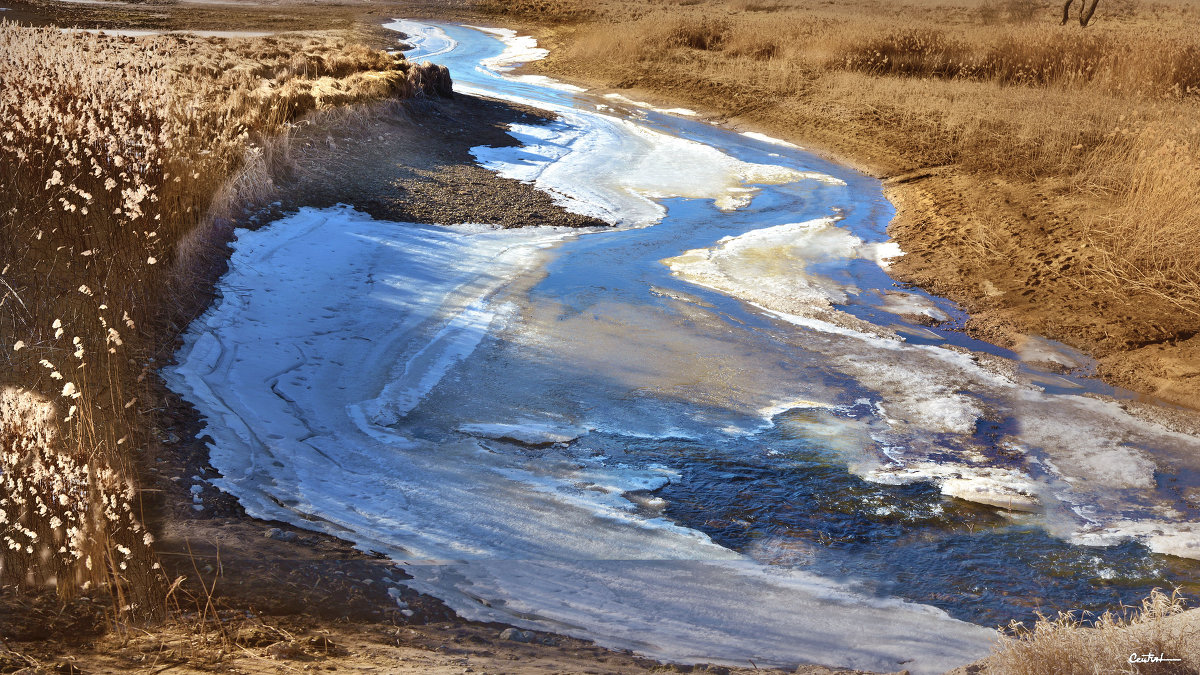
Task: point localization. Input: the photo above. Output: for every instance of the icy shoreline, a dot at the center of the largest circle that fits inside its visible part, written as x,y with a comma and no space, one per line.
323,310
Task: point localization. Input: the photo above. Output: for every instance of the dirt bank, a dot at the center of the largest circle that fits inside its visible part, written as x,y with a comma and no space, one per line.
411,163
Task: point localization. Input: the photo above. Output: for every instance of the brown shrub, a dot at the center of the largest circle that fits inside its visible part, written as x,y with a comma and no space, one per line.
697,33
912,53
1066,646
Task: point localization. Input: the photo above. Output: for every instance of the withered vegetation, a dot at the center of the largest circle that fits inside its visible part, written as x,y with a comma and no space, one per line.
119,159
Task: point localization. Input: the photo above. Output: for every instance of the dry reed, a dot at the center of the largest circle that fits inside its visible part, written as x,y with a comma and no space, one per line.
1065,645
113,154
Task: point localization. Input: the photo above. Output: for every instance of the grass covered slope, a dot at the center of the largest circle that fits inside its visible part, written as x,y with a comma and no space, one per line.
118,160
1044,175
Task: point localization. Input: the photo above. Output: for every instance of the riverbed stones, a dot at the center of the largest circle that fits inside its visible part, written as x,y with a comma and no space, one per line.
279,535
517,635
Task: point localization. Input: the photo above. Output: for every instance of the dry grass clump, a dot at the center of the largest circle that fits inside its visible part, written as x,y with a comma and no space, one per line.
1013,11
1149,245
67,519
1066,646
695,33
1040,55
562,11
114,153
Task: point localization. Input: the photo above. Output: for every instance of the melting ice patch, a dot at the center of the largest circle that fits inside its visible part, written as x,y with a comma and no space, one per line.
769,267
768,139
642,104
614,169
913,305
518,50
1037,349
1090,466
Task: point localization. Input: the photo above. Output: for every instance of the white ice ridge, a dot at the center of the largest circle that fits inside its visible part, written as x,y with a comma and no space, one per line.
615,170
686,112
527,433
770,139
769,267
325,309
426,41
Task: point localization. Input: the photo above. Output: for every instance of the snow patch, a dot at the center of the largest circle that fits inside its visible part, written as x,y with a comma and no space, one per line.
768,139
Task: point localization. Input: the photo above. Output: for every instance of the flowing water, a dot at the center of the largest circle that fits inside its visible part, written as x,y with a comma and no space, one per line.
716,431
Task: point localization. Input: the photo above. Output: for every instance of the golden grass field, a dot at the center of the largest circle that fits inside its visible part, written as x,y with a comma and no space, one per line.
1045,175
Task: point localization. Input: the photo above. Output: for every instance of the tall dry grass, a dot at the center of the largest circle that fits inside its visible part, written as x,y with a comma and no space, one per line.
115,156
1106,114
1065,645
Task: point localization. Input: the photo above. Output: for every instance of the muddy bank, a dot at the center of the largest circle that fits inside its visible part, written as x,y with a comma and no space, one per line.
411,163
1017,257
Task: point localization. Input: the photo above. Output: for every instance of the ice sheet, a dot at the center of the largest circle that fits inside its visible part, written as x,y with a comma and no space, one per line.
770,266
616,170
636,604
327,309
425,41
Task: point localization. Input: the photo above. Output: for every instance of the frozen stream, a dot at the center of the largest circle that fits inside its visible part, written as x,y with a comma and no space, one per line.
716,432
